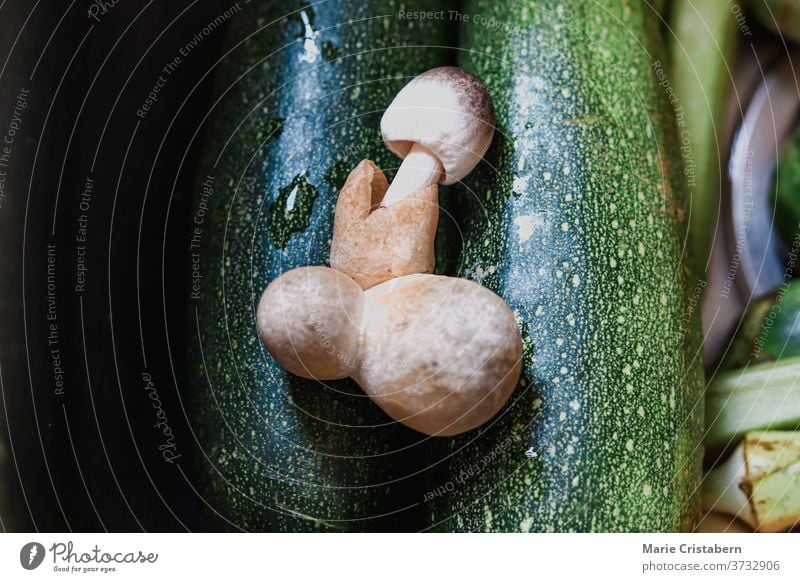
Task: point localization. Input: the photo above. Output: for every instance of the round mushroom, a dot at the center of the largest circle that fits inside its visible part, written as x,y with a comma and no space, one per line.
438,354
441,124
309,320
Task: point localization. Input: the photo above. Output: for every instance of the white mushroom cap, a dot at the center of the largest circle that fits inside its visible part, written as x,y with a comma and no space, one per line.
448,111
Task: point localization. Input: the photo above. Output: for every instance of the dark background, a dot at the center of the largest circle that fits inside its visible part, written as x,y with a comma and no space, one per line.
88,459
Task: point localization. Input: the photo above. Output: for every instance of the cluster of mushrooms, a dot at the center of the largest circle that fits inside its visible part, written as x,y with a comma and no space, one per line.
438,354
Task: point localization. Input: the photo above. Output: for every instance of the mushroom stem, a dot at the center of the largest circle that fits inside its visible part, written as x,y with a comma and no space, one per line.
420,168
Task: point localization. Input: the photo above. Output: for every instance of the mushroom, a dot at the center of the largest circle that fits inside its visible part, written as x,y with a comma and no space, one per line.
438,354
309,320
373,244
441,124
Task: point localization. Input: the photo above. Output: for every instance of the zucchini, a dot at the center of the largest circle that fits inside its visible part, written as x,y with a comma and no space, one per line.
702,53
280,453
576,219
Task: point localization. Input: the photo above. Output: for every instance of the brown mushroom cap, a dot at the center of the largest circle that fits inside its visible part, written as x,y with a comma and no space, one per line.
448,111
440,354
308,319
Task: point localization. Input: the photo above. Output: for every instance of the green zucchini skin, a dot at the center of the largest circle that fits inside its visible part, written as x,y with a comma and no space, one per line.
576,219
279,453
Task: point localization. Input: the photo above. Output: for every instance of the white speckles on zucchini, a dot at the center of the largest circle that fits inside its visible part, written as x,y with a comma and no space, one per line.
288,454
578,99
